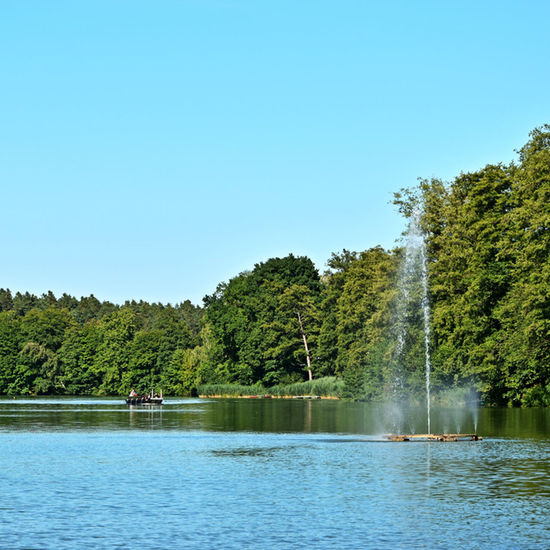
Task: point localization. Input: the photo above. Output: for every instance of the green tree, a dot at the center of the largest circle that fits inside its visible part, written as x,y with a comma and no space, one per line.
364,323
238,312
6,300
112,361
143,371
79,354
471,276
23,303
38,369
468,274
186,371
333,281
11,342
291,335
524,342
47,327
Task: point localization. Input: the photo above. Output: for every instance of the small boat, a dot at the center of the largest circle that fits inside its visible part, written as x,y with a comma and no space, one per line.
144,400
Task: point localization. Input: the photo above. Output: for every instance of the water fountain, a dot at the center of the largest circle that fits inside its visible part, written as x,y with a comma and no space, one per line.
413,289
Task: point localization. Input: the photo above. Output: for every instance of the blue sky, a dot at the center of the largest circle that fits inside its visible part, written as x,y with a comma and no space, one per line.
150,149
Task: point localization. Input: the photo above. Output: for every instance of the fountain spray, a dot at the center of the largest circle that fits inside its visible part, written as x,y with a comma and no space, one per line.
414,273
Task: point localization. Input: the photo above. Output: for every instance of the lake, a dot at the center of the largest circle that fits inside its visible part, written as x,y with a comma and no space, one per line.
271,474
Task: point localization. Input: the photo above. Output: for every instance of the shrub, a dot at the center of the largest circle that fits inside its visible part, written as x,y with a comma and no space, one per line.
329,386
230,390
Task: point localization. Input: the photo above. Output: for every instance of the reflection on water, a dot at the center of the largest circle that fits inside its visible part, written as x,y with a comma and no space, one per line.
267,415
282,474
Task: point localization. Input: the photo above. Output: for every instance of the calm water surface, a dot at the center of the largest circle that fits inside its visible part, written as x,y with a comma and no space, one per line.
232,474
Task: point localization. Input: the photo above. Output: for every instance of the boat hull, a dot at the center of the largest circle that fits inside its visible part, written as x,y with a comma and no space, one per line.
144,401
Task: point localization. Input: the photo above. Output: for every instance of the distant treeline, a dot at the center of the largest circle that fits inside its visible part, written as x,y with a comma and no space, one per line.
88,347
282,322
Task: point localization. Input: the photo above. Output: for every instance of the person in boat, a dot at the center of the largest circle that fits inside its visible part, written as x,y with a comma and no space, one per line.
133,393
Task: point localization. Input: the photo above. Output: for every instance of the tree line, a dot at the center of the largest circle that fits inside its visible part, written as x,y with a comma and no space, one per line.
487,235
87,347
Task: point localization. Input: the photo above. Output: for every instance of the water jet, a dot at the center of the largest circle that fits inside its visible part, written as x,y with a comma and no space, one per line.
413,296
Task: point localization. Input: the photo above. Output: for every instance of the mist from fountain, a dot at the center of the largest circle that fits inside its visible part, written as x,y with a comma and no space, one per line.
412,280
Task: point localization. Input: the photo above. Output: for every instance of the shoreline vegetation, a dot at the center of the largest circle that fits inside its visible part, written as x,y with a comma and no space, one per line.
324,388
266,396
282,325
328,388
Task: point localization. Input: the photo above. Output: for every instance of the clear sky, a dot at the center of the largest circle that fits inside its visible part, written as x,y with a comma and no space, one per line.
151,149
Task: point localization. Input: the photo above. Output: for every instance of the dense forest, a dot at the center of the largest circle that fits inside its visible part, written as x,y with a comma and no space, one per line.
487,235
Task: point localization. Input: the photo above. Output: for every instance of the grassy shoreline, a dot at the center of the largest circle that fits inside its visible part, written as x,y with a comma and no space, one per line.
326,388
267,396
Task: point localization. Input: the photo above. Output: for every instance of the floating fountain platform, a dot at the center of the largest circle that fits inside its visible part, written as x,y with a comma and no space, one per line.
434,437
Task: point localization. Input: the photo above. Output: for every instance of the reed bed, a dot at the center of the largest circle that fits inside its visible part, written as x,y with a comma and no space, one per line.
230,390
329,386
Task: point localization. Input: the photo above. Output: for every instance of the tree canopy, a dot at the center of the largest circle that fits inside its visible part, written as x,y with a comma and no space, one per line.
487,237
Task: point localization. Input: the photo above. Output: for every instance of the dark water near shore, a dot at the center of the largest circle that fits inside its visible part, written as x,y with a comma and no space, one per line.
208,474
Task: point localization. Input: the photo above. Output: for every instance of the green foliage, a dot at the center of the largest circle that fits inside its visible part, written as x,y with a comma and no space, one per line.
85,347
11,343
354,384
37,369
457,397
329,386
360,294
6,300
322,387
293,332
47,327
333,282
488,242
537,396
254,326
230,390
186,372
78,354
